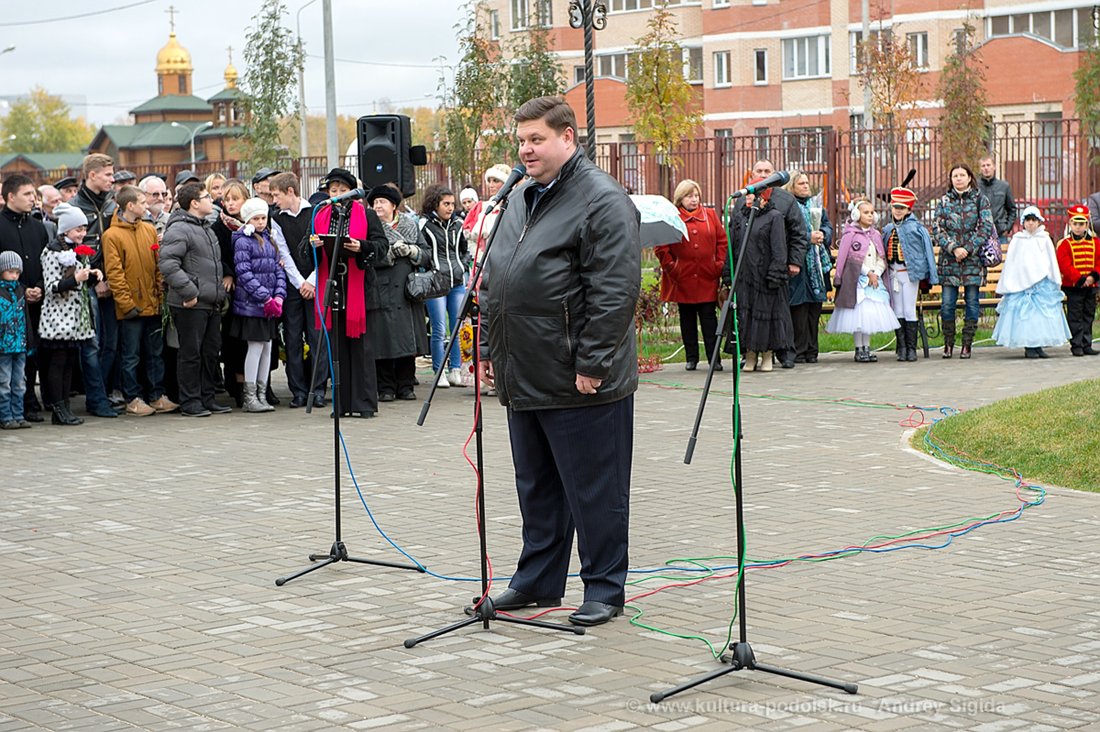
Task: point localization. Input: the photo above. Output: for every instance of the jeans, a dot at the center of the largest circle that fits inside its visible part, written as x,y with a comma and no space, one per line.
950,298
197,363
136,337
13,384
107,336
95,393
438,308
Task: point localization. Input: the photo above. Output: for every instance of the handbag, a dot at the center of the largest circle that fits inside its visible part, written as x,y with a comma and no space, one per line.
424,284
990,253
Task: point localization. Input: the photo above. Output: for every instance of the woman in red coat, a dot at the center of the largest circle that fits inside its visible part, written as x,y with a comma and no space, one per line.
691,269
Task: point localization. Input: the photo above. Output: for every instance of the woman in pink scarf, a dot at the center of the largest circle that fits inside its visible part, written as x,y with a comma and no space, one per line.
365,243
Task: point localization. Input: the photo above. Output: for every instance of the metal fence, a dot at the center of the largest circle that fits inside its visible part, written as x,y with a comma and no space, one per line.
1046,162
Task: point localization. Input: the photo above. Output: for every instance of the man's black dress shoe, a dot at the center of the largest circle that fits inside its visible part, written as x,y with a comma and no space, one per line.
215,408
515,600
297,401
691,365
594,613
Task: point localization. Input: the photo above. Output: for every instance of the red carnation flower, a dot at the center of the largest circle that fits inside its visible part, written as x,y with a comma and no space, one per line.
84,251
154,247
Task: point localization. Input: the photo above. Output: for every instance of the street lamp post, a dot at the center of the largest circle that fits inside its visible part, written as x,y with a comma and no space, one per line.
303,140
194,132
591,15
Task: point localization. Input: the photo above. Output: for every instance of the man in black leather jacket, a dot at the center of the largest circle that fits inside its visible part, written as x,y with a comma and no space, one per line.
559,295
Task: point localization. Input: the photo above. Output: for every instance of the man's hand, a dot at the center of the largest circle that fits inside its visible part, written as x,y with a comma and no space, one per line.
587,384
306,291
227,283
33,294
793,269
191,303
486,375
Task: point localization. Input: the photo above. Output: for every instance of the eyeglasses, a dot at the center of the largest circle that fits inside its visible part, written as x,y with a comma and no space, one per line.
157,195
205,195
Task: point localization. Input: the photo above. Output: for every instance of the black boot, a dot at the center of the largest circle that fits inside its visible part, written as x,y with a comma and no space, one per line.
899,340
63,415
270,397
1041,353
970,327
911,332
948,338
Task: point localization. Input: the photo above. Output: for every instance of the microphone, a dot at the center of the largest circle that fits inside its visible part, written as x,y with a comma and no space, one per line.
778,178
514,178
355,194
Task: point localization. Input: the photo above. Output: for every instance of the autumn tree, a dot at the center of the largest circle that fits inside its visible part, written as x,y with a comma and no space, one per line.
476,124
886,66
535,70
1087,88
662,103
272,58
964,127
43,123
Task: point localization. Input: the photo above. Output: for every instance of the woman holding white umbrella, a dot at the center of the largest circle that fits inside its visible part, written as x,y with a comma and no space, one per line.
690,271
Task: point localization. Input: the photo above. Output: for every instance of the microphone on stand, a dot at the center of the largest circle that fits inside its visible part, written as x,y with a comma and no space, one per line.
355,194
778,178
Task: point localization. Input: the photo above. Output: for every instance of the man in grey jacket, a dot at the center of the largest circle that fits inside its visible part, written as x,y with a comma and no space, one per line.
558,296
1093,202
190,260
999,195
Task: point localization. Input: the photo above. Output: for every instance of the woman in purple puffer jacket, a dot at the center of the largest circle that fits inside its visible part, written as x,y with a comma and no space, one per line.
257,299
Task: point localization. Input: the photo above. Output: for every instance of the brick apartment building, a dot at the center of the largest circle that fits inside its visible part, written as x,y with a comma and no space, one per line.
769,67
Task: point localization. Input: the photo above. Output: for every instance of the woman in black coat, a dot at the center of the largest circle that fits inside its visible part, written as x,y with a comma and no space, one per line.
763,315
397,325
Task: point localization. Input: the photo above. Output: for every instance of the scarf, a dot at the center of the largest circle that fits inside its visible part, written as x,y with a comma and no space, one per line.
355,227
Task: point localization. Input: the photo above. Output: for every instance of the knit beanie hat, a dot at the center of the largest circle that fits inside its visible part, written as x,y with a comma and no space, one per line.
68,217
253,207
499,172
467,194
10,260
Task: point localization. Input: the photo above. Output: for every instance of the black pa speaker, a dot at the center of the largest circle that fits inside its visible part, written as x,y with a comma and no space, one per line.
385,155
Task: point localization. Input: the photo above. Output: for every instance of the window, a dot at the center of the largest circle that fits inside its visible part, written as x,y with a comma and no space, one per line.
694,66
804,145
918,49
762,142
855,48
578,74
759,2
622,6
722,68
519,15
183,84
545,10
494,25
615,65
806,58
1056,26
723,138
721,4
760,74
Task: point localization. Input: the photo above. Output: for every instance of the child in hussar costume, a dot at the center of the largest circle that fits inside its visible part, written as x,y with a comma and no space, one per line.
1030,312
863,298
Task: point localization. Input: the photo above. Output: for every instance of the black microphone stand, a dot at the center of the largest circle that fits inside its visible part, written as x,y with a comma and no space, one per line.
482,610
742,656
332,309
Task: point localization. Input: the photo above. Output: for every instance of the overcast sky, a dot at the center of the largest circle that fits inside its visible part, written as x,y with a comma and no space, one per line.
109,57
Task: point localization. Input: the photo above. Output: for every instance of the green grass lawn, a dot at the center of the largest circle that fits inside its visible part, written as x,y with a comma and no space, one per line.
1050,437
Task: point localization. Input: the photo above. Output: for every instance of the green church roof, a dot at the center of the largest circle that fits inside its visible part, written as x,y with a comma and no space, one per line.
173,103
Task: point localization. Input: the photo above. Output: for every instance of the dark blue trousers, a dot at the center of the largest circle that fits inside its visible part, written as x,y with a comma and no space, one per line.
573,474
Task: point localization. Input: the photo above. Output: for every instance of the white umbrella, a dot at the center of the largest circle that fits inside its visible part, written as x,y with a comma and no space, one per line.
661,222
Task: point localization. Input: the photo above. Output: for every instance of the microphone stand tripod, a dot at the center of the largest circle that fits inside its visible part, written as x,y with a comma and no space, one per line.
742,656
333,306
482,610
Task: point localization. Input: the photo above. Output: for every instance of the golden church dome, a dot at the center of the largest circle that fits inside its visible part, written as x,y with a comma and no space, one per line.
173,58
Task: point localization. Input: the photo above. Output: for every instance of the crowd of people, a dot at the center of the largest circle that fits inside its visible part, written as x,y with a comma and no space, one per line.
152,298
873,271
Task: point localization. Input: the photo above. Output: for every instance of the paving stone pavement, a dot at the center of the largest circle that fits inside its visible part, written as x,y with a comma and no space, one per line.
138,559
